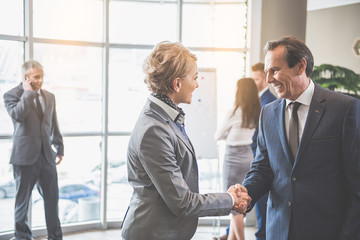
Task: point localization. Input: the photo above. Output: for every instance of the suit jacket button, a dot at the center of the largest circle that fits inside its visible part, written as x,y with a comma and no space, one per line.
289,204
293,179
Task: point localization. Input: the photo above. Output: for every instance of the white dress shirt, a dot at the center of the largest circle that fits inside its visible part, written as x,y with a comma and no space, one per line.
305,100
232,132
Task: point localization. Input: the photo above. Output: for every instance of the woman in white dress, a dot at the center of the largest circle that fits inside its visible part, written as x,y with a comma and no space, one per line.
237,129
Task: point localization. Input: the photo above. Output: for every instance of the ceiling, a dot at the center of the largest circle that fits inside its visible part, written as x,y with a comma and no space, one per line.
321,4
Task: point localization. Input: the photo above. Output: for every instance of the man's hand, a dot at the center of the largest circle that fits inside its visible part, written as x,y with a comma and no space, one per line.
241,197
59,157
27,84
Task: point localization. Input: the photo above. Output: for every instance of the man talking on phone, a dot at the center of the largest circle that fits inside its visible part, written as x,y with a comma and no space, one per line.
37,149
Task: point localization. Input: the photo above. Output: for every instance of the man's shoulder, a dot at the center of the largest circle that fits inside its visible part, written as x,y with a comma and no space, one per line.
46,92
267,97
273,104
332,96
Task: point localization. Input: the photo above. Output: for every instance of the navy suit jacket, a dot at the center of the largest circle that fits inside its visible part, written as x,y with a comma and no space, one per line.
266,97
322,188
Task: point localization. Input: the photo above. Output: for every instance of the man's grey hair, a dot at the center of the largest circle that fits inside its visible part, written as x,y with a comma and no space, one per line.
31,64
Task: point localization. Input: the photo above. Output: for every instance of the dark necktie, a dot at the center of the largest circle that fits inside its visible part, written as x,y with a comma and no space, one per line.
38,105
294,130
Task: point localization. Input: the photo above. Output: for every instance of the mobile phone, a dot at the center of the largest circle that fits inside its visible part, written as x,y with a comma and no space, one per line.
31,83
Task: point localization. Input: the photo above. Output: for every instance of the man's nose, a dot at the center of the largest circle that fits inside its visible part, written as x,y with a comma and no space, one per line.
269,78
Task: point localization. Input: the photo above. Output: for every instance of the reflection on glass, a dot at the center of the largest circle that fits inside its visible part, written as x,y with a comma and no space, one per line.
11,17
11,59
119,190
74,75
69,20
214,25
127,90
7,187
79,184
141,22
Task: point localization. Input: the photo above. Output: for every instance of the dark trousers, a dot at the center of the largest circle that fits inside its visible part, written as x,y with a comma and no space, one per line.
44,173
261,207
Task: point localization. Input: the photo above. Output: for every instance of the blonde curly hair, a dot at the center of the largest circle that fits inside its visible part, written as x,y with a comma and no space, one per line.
167,62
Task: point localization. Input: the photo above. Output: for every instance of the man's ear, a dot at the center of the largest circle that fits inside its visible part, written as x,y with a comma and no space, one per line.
302,66
177,84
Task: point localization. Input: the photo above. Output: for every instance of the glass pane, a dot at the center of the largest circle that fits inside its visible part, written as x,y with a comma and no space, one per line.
79,197
119,190
214,1
74,75
210,175
127,90
7,187
215,25
68,19
142,23
11,17
11,59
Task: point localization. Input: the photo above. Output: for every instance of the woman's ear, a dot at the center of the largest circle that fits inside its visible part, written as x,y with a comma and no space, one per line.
177,84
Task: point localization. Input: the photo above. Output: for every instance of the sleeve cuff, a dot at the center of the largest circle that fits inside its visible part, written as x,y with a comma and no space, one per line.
232,197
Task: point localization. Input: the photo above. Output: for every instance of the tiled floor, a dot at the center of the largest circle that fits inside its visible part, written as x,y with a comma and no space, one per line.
202,233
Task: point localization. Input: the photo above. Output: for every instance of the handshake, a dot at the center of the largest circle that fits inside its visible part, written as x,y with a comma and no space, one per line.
241,197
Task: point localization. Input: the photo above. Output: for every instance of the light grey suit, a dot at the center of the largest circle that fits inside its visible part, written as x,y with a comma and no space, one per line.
33,158
162,169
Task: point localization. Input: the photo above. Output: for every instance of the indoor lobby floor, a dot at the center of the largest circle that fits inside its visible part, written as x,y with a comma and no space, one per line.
202,233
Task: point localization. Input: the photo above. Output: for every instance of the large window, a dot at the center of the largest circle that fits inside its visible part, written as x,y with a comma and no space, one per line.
74,75
92,52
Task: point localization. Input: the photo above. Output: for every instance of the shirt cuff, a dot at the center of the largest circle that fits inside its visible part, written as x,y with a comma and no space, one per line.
232,197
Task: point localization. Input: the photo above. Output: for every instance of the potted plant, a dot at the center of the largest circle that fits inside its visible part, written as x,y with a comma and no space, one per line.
338,79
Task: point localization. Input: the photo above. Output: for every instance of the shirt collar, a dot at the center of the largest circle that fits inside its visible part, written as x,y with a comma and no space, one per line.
262,91
176,115
306,97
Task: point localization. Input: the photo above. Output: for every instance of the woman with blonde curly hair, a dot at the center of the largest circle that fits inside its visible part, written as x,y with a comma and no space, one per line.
162,166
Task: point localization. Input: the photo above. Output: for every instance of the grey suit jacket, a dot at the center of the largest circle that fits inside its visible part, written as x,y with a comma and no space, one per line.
322,188
30,133
162,170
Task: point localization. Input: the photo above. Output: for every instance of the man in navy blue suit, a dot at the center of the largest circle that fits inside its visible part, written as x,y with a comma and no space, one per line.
315,185
258,74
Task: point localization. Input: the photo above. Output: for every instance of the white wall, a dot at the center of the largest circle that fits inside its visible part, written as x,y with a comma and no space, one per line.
331,34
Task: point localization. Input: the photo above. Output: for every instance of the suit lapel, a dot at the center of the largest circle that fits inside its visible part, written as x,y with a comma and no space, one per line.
46,101
316,111
181,136
159,111
280,112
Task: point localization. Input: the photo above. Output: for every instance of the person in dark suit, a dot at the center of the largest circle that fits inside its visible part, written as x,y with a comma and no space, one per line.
308,153
258,74
37,143
162,167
